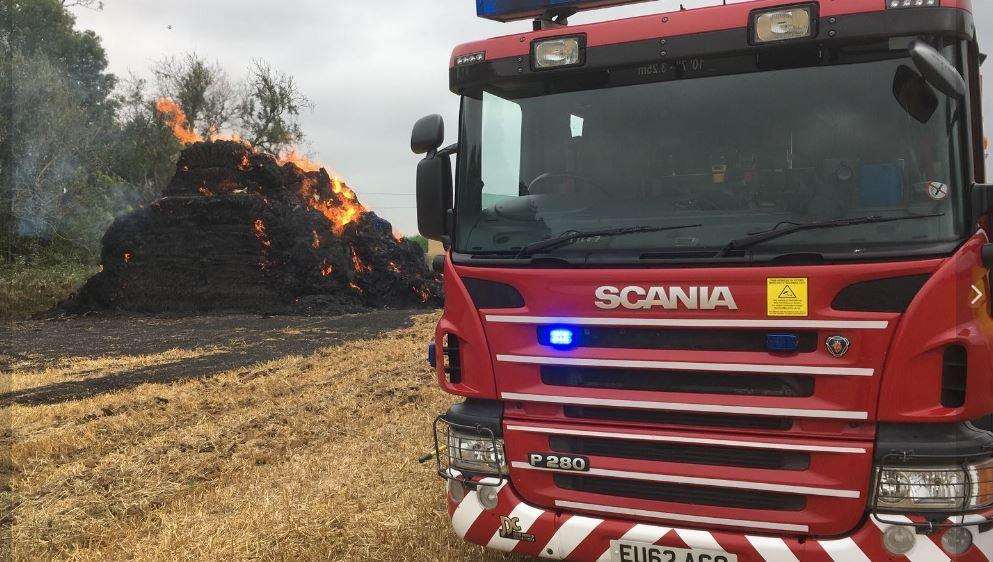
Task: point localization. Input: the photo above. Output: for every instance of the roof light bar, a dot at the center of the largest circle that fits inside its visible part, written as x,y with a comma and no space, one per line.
512,10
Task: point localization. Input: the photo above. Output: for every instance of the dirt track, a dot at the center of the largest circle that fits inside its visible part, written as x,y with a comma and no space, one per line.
225,438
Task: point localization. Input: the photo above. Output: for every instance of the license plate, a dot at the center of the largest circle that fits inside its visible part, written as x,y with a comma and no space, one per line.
627,551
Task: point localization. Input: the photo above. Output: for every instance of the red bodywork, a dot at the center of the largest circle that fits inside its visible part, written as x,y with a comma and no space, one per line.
687,22
899,358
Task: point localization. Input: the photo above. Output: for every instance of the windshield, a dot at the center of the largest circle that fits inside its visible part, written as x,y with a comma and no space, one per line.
689,143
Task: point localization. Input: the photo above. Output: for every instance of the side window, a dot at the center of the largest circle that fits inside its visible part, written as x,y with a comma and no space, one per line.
501,160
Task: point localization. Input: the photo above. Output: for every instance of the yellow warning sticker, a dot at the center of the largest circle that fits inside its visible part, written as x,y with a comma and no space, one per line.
787,297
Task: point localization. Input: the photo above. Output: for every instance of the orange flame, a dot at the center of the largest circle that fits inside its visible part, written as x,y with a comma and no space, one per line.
294,157
173,116
360,267
260,233
340,214
327,269
128,256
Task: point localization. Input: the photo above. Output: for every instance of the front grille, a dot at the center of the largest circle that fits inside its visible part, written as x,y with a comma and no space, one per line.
686,340
679,453
678,418
681,493
784,386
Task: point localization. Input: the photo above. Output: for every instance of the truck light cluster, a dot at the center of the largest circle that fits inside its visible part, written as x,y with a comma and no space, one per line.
949,488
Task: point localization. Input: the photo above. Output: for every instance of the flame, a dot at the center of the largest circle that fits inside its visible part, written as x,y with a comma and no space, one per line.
260,233
128,256
263,237
341,214
394,267
172,115
357,288
317,241
360,267
293,156
327,269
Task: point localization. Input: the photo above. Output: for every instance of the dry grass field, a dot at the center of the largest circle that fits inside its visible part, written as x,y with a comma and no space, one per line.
227,438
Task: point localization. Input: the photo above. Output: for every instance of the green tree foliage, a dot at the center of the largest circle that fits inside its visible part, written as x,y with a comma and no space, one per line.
201,88
144,149
58,114
270,109
78,147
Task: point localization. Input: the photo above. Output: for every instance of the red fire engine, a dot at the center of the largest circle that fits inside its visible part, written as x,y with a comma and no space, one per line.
717,284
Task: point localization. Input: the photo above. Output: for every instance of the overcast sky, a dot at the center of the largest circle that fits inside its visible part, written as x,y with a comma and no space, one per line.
371,68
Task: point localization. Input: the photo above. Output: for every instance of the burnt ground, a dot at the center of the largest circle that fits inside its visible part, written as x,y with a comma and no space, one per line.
239,341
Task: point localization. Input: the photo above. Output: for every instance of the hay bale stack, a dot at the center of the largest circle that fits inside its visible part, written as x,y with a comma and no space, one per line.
238,231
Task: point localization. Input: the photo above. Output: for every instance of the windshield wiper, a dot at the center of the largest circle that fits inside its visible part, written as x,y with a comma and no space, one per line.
573,236
762,237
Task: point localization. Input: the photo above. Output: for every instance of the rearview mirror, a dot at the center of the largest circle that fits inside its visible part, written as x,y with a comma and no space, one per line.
428,134
937,70
434,196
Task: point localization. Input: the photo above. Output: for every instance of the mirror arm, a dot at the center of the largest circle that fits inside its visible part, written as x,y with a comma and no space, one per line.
449,150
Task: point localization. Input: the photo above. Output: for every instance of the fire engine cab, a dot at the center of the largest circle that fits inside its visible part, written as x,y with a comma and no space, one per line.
717,284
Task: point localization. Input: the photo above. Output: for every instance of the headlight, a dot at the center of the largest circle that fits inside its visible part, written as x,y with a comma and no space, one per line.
950,488
783,24
476,454
560,52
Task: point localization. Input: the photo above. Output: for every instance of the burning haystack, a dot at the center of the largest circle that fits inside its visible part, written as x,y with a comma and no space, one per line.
237,230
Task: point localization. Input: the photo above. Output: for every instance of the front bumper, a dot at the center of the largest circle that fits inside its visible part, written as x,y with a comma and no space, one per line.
514,526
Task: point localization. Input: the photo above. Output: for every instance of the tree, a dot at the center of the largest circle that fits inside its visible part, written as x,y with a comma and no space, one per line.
200,88
57,115
144,149
270,109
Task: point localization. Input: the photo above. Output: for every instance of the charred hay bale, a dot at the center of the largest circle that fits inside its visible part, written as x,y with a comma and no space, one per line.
236,231
242,252
390,272
225,167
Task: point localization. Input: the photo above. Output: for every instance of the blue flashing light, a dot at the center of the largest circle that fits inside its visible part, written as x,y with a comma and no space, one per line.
510,10
561,337
782,343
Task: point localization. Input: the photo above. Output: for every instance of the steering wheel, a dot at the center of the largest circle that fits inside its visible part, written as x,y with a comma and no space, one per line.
547,177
